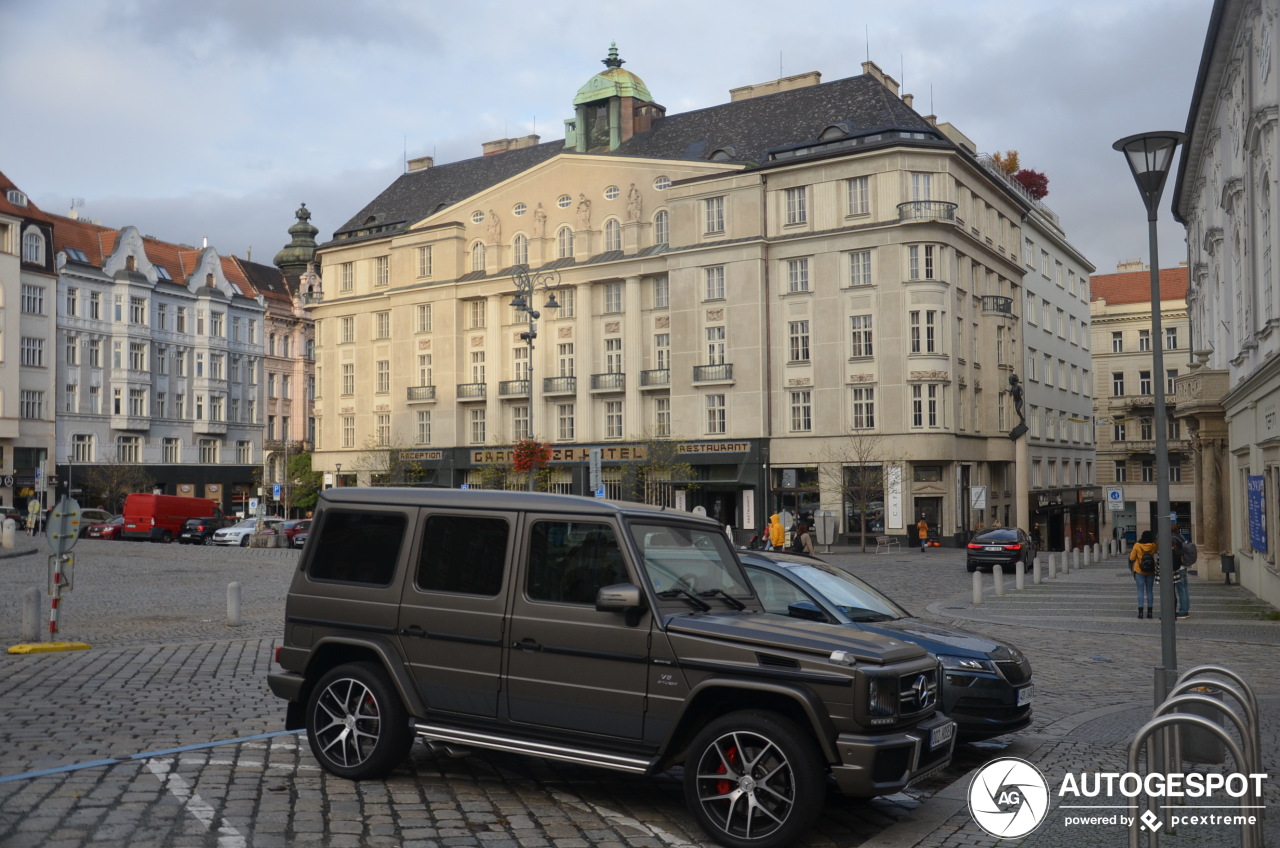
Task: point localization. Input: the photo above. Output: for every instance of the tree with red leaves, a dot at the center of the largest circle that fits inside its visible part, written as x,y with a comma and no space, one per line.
530,455
1035,182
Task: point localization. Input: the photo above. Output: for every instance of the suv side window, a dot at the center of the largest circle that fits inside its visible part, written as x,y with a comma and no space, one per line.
463,554
358,547
570,560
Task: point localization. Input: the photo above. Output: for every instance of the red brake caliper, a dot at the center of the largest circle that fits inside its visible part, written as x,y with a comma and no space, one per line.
723,786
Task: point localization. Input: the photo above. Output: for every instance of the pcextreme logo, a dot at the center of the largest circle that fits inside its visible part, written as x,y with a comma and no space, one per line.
1008,798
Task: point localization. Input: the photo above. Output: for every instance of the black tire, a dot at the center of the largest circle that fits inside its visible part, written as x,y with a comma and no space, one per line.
166,537
356,724
971,567
208,540
244,540
775,798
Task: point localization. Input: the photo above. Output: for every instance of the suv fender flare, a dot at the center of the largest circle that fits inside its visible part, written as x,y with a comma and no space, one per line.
377,648
817,720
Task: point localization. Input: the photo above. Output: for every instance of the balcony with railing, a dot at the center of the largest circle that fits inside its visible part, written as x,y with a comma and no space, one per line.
657,378
471,391
994,304
926,210
722,373
421,393
613,381
514,388
559,385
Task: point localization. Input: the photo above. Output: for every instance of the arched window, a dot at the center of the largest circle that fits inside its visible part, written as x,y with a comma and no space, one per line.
520,250
477,256
33,247
661,227
612,234
564,243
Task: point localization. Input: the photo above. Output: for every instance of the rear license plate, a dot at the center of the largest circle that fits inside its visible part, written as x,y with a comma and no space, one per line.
1024,695
942,735
993,548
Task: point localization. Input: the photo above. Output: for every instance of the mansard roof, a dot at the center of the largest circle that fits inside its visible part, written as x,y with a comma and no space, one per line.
1135,286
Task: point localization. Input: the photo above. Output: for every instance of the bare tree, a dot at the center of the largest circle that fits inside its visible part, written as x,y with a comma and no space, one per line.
854,467
655,479
110,482
388,464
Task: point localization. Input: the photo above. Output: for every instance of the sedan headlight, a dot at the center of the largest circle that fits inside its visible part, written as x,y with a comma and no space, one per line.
953,663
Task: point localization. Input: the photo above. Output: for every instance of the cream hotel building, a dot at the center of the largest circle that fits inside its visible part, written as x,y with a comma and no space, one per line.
774,284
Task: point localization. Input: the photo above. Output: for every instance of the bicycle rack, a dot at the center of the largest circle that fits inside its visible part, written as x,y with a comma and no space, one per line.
1249,835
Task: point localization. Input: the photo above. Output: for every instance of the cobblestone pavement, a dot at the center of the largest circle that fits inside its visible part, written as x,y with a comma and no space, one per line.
165,734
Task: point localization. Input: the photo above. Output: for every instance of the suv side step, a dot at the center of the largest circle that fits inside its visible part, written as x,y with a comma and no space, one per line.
517,745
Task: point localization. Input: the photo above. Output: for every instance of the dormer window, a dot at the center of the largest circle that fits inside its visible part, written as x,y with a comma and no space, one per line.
131,263
722,154
208,280
33,247
16,197
835,131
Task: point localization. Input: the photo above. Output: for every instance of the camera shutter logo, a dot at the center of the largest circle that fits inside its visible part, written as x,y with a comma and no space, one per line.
1008,798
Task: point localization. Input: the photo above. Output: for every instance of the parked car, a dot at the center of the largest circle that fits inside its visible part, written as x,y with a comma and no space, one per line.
986,685
601,632
1002,546
108,530
300,538
291,528
238,534
92,516
159,518
199,531
19,517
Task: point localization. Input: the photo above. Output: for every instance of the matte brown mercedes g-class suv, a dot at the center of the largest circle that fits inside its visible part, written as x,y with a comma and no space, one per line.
613,634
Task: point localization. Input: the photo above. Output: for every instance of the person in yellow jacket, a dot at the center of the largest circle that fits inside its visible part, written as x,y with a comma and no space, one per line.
777,533
1146,581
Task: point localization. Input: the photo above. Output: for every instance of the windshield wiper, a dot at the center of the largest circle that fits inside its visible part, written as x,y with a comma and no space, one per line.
688,596
734,602
856,614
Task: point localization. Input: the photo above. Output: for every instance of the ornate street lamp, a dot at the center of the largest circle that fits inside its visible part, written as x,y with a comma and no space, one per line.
527,284
1149,156
337,475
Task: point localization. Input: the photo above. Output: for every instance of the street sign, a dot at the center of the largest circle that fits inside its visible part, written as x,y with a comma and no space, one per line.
464,486
977,497
275,492
1115,498
253,504
8,481
64,526
594,457
600,491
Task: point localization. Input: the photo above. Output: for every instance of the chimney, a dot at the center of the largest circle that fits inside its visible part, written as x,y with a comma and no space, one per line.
747,92
422,163
908,99
502,145
873,70
1128,265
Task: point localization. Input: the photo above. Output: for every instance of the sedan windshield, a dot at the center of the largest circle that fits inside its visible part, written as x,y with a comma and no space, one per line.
696,560
849,594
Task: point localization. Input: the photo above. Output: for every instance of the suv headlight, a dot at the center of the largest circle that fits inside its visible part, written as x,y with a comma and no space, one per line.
882,698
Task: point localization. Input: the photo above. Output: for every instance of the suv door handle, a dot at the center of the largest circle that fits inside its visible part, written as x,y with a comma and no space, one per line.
414,631
527,645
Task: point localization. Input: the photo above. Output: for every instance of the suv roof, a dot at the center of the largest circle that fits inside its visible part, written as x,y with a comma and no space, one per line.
501,500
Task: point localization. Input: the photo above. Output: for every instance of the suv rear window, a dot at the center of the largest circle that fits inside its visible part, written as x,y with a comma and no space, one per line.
358,547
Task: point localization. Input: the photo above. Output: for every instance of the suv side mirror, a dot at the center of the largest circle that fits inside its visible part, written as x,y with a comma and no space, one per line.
808,611
621,597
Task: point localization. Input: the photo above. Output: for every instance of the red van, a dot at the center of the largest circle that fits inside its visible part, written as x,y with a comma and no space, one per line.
159,518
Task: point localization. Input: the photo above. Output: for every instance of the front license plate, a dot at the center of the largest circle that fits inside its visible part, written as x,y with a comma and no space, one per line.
1024,695
942,735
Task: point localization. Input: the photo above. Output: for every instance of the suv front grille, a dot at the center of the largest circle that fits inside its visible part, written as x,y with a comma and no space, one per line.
918,692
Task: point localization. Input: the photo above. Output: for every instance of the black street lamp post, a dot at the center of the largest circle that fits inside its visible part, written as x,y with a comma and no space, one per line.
527,284
1149,156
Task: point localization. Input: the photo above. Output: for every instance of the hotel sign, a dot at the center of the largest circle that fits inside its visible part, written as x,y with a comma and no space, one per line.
611,453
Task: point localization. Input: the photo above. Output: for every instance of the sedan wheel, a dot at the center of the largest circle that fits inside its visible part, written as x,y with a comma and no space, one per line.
753,780
244,540
208,540
356,725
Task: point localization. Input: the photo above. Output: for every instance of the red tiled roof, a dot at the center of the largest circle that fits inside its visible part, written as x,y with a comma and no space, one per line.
29,211
1135,286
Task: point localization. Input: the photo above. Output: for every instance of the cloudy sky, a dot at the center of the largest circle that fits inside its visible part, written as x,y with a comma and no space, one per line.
215,119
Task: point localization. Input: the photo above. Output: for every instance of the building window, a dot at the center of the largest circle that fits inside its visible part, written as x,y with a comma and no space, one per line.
1175,470
1170,338
922,186
129,449
1118,433
613,297
32,299
477,257
209,451
348,431
1144,382
82,447
244,453
920,261
520,423
662,417
798,275
425,261
860,268
170,451
662,351
383,368
477,314
346,330
346,277
661,227
69,398
1144,340
797,208
348,380
424,318
798,333
138,357
179,405
477,366
715,415
1146,429
860,328
382,429
564,422
424,426
715,345
382,271
520,250
95,306
1170,376
33,247
33,352
999,345
613,356
1117,384
381,327
1117,342
612,234
520,362
864,408
613,419
661,292
714,277
31,405
564,243
73,299
1148,471
801,411
424,369
713,215
858,195
137,310
925,411
923,331
565,360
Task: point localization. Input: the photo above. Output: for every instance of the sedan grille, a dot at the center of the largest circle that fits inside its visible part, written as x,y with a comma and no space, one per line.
1017,672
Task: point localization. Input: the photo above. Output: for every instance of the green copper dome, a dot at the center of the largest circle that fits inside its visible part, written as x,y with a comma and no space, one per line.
293,257
612,82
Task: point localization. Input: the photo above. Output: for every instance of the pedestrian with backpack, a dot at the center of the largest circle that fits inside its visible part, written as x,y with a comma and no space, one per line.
1184,554
1143,559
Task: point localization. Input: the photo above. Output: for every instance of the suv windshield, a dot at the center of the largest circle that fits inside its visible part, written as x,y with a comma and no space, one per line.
689,558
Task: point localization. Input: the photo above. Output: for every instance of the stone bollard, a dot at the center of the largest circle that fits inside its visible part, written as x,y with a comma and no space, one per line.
977,587
30,611
7,534
1019,576
233,604
1052,574
997,577
1075,559
1097,552
1035,570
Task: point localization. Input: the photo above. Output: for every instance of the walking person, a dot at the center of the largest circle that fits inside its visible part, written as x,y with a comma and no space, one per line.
1142,558
1184,554
777,533
922,528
